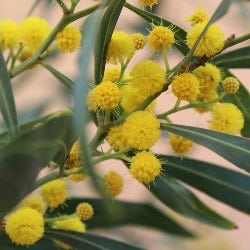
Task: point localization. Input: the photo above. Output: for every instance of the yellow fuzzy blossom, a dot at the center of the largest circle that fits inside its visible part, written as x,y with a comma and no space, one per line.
33,31
149,3
71,224
9,34
121,48
69,39
116,138
209,77
104,96
74,161
160,38
180,144
111,74
84,211
34,202
54,193
113,183
226,118
139,40
211,43
25,226
206,97
186,87
141,129
148,77
230,85
199,16
145,167
132,98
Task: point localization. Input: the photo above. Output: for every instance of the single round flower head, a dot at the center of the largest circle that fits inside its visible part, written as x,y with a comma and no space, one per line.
34,202
145,167
71,224
206,97
116,138
180,144
9,34
104,96
121,47
226,118
25,226
211,43
230,85
186,87
84,211
142,130
209,77
139,40
54,193
74,161
160,38
148,77
199,16
111,74
149,3
34,30
69,39
113,183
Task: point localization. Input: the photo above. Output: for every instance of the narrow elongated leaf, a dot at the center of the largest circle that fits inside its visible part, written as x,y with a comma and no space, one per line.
125,213
233,148
228,186
239,58
104,33
221,10
88,241
7,103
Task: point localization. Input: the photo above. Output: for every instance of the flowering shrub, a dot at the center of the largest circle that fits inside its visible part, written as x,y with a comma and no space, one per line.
46,153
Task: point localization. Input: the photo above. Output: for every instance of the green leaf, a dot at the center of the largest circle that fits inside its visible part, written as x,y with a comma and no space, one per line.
182,200
221,10
22,159
89,241
228,186
180,34
139,214
67,82
104,33
233,148
7,103
239,58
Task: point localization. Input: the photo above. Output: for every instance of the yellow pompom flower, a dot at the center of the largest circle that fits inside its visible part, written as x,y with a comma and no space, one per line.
149,3
209,77
160,38
104,96
230,85
148,77
180,144
69,39
199,16
139,40
121,47
206,97
113,183
54,193
84,211
211,43
33,31
186,87
71,224
74,161
111,74
142,130
116,138
226,118
9,34
25,226
145,167
34,202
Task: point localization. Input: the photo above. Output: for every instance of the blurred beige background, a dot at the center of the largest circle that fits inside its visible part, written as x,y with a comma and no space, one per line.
37,85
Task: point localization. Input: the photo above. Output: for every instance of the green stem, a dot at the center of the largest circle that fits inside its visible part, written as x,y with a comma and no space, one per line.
63,6
96,139
16,56
165,59
123,68
234,41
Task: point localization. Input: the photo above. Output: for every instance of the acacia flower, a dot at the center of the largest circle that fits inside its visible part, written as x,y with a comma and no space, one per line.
84,211
206,97
25,226
149,3
113,183
230,85
72,224
111,74
139,40
199,16
34,202
180,144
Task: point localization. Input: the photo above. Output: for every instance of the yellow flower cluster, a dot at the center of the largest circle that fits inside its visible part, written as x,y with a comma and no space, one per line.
199,16
9,34
148,2
180,144
113,183
230,85
71,223
84,211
